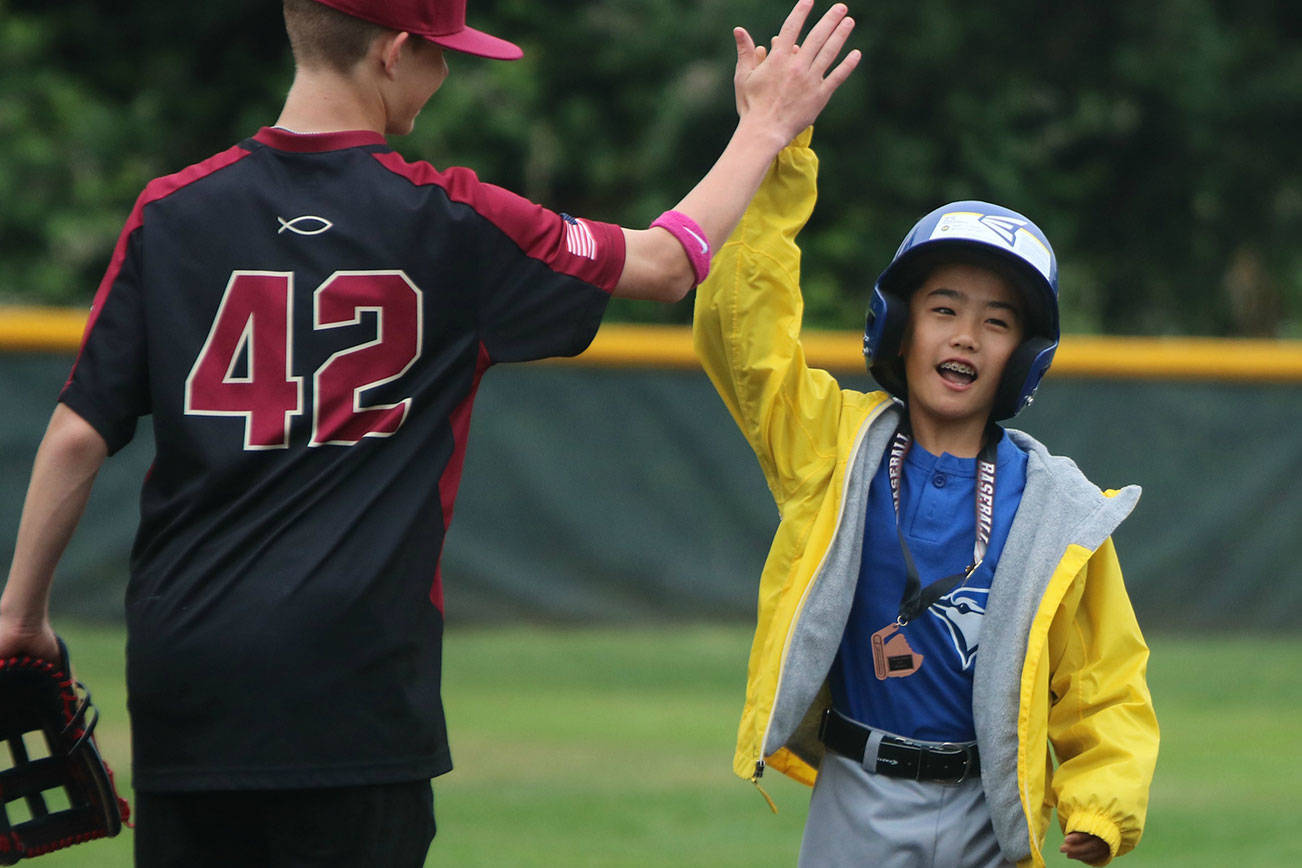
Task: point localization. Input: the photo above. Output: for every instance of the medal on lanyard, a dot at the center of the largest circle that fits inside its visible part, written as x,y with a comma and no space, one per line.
892,655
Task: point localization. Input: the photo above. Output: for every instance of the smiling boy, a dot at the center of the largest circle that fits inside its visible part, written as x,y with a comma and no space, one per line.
964,323
942,614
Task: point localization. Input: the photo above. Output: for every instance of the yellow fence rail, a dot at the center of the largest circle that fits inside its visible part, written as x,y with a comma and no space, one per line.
41,329
59,330
1079,355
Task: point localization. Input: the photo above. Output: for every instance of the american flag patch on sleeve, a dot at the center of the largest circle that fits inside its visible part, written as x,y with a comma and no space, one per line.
579,239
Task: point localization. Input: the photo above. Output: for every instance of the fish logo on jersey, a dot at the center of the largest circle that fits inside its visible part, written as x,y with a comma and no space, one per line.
962,611
308,224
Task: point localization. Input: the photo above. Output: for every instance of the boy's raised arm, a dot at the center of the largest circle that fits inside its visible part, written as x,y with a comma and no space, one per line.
779,91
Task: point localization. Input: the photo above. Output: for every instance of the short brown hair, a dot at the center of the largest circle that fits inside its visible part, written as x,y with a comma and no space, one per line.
322,36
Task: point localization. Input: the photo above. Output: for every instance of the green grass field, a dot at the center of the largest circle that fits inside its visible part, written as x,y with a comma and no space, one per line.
612,747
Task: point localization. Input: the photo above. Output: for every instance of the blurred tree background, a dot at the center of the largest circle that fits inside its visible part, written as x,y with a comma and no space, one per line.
1156,143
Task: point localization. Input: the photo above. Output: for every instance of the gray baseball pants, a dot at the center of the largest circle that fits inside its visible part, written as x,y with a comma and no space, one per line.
866,820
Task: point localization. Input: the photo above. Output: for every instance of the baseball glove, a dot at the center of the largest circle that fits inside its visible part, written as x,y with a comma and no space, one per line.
58,791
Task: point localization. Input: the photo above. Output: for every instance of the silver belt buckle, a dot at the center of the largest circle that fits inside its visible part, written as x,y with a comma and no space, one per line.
949,749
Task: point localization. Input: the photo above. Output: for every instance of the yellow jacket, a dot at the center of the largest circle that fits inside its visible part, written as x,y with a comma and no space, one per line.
1062,661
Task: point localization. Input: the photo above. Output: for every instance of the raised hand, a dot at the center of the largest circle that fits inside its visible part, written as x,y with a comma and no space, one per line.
787,84
780,91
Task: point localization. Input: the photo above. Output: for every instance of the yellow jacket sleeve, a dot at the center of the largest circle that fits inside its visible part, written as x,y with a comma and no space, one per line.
746,332
1101,721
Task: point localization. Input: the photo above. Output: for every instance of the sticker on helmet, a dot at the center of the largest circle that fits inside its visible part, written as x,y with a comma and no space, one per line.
1007,232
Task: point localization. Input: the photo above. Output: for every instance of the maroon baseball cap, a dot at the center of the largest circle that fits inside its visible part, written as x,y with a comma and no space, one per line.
442,22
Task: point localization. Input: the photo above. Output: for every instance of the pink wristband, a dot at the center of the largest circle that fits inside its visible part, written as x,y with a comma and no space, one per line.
691,236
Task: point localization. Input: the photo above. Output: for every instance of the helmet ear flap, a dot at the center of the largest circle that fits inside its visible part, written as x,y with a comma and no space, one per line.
1022,374
883,337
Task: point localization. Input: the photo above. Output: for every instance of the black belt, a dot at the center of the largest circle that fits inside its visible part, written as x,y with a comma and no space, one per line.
949,763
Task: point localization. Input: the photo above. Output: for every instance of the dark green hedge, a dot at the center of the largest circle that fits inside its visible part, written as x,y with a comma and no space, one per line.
1155,142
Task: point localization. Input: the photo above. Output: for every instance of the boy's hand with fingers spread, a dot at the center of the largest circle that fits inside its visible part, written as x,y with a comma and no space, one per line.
780,91
787,85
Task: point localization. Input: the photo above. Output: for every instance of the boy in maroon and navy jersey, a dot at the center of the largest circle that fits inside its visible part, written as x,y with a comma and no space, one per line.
306,317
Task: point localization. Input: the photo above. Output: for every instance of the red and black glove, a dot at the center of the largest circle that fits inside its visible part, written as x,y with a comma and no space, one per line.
55,788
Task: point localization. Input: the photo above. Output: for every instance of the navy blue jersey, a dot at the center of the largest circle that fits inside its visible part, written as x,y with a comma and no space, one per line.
306,318
938,519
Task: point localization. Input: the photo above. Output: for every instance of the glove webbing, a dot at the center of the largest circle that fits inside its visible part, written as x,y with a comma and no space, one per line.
40,698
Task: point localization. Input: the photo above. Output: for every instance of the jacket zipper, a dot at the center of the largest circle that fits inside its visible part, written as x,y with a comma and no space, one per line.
755,779
840,516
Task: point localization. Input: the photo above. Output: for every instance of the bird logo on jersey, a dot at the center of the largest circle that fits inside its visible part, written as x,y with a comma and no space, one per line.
962,611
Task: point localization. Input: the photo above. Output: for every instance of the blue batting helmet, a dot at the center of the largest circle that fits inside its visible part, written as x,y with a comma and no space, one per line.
977,233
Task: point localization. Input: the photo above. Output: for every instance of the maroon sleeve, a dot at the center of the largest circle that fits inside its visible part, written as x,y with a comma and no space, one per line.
109,385
542,279
109,382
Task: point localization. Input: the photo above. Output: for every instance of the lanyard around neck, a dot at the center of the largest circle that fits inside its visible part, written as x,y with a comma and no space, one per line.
918,599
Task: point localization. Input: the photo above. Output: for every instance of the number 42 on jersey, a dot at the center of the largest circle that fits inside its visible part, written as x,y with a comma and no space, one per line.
254,325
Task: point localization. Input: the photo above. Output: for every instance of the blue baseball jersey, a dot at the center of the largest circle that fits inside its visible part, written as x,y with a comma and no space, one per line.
306,319
938,518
